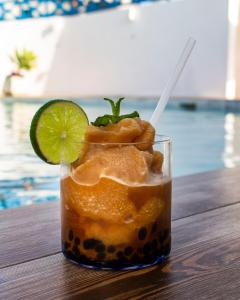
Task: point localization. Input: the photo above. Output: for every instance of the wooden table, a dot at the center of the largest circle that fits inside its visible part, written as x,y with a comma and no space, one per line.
204,262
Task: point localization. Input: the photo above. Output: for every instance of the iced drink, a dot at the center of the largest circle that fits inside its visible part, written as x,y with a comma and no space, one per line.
116,199
115,184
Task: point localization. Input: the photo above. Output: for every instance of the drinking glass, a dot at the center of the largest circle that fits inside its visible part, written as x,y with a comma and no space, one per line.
109,219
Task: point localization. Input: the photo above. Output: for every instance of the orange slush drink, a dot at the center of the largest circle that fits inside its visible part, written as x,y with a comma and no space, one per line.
116,198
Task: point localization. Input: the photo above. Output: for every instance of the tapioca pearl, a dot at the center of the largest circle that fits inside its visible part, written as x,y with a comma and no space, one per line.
111,249
158,250
122,261
166,249
142,233
148,259
68,253
77,241
154,227
75,250
101,256
160,247
70,235
154,244
145,259
163,235
121,257
135,258
147,248
113,263
128,251
83,258
120,254
66,245
90,243
155,253
100,247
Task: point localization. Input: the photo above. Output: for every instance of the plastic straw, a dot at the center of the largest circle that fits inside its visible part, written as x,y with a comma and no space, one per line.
162,102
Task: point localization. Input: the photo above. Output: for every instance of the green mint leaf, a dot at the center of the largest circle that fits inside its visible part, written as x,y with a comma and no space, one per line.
102,121
135,114
112,104
117,106
115,117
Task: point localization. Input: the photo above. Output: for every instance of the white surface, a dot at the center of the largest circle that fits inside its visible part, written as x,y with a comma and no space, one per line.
105,53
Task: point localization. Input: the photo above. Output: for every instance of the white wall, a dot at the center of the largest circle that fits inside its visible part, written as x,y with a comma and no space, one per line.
106,54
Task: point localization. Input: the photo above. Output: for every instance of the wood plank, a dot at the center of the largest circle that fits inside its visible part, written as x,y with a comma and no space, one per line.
29,232
201,197
204,264
34,231
210,175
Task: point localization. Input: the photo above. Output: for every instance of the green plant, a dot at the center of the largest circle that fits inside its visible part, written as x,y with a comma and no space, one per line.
24,60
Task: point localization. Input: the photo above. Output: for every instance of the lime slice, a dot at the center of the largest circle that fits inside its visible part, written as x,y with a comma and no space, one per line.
57,131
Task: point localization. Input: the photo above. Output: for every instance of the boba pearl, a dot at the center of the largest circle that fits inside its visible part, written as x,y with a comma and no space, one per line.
101,256
68,253
113,263
90,243
75,250
77,241
128,251
66,245
147,248
100,247
154,244
70,235
135,258
111,249
142,233
154,227
166,249
155,252
120,254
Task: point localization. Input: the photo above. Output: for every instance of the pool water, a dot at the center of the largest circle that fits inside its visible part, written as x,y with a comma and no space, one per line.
202,141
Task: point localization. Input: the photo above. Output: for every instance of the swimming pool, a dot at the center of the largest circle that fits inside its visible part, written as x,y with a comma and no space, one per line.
203,140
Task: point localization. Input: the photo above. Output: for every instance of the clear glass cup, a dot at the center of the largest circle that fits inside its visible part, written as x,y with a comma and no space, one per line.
110,220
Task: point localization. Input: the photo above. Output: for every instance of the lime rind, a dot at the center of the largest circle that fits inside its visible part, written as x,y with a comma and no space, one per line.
57,131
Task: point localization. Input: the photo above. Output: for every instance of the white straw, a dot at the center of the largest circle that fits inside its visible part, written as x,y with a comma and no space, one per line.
162,102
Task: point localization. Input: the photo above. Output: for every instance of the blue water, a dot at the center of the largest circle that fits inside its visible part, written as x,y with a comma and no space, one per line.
202,141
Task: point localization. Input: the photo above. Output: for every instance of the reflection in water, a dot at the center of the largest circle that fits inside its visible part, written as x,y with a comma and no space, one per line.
202,141
231,154
17,159
24,179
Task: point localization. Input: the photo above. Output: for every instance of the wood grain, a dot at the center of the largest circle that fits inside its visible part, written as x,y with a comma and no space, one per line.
29,232
219,174
204,264
32,232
